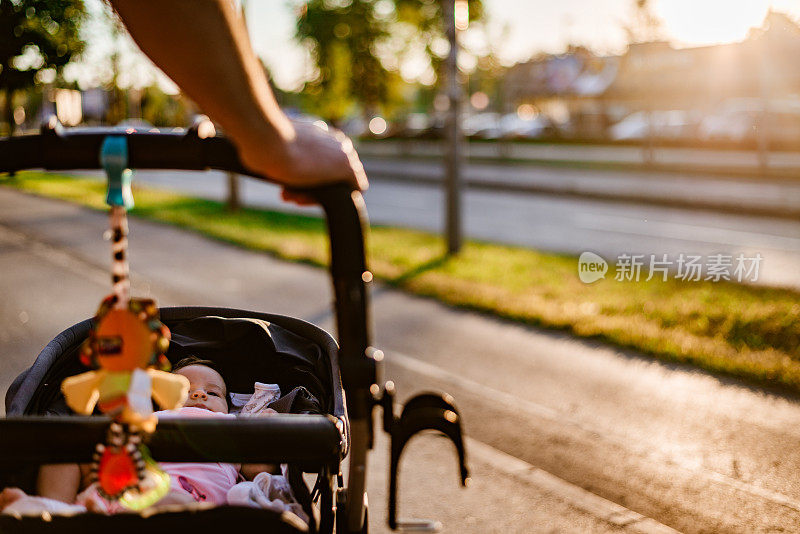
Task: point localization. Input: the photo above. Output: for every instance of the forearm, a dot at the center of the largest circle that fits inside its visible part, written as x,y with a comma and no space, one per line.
204,47
230,85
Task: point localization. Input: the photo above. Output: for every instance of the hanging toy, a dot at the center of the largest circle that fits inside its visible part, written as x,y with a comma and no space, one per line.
126,342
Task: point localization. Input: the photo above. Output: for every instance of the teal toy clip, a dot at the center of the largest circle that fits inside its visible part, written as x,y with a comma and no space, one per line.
114,158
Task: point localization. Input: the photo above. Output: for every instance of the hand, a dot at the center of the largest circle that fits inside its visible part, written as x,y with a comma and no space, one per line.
308,155
9,496
251,471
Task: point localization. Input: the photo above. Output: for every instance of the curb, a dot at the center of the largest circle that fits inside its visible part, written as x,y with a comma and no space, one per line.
582,499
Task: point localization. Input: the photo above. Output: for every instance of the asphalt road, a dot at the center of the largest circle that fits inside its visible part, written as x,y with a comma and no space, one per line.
697,158
727,194
564,436
565,225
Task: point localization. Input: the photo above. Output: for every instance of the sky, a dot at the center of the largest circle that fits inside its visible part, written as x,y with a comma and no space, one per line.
516,30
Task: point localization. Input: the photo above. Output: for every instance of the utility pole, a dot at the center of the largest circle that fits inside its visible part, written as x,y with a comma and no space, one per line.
234,202
453,183
763,120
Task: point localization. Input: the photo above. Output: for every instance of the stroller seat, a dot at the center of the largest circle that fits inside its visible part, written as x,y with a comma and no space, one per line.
247,347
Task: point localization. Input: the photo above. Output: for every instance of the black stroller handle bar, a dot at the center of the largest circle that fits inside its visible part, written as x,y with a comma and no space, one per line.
311,440
58,148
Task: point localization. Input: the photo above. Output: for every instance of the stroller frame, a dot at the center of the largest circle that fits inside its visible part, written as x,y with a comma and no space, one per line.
312,440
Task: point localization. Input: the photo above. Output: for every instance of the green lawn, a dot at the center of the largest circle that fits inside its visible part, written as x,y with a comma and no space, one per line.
743,331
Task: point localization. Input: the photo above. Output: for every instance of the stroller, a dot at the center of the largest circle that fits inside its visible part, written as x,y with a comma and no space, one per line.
335,386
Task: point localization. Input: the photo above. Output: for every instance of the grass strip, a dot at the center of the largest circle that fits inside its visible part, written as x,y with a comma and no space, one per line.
743,331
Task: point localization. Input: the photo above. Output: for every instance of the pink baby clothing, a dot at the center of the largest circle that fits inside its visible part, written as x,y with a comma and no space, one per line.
205,482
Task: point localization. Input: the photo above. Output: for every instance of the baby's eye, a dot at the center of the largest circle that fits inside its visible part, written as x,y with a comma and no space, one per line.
214,393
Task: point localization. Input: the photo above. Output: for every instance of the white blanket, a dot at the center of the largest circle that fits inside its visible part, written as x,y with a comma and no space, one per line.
267,491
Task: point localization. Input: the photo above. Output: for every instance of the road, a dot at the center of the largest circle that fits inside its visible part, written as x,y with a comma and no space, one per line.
563,435
728,194
740,161
564,225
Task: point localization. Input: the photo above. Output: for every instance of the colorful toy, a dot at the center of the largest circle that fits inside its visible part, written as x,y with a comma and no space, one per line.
127,341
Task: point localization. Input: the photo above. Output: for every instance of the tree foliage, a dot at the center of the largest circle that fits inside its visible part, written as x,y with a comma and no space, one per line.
343,36
350,40
162,109
425,16
37,35
645,26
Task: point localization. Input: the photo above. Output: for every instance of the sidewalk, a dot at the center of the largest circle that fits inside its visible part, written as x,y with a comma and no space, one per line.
50,241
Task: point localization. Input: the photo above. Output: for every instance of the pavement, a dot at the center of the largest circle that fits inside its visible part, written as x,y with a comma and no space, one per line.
563,435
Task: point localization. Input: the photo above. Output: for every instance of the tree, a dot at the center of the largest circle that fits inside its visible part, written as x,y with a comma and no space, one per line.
353,41
425,16
343,36
37,38
646,26
162,109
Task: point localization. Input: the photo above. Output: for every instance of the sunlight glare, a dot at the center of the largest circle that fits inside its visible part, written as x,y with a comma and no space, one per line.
699,22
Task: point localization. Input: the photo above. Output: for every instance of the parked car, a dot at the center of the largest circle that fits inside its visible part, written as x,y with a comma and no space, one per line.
139,125
739,120
355,127
728,126
512,126
417,125
482,126
673,124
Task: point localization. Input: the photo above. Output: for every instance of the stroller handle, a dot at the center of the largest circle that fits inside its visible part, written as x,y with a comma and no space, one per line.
312,440
58,148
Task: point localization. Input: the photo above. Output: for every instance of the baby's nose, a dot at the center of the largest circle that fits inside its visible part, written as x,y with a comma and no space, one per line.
199,394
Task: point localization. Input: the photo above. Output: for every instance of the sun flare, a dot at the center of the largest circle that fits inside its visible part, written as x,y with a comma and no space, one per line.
700,22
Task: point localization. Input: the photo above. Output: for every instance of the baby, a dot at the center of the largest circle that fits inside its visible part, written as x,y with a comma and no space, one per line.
207,388
192,482
189,482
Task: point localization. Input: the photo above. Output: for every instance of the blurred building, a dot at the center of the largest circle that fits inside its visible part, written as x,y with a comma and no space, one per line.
591,92
564,87
657,75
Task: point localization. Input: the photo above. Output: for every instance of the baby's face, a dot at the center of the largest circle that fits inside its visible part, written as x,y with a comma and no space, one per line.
206,388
